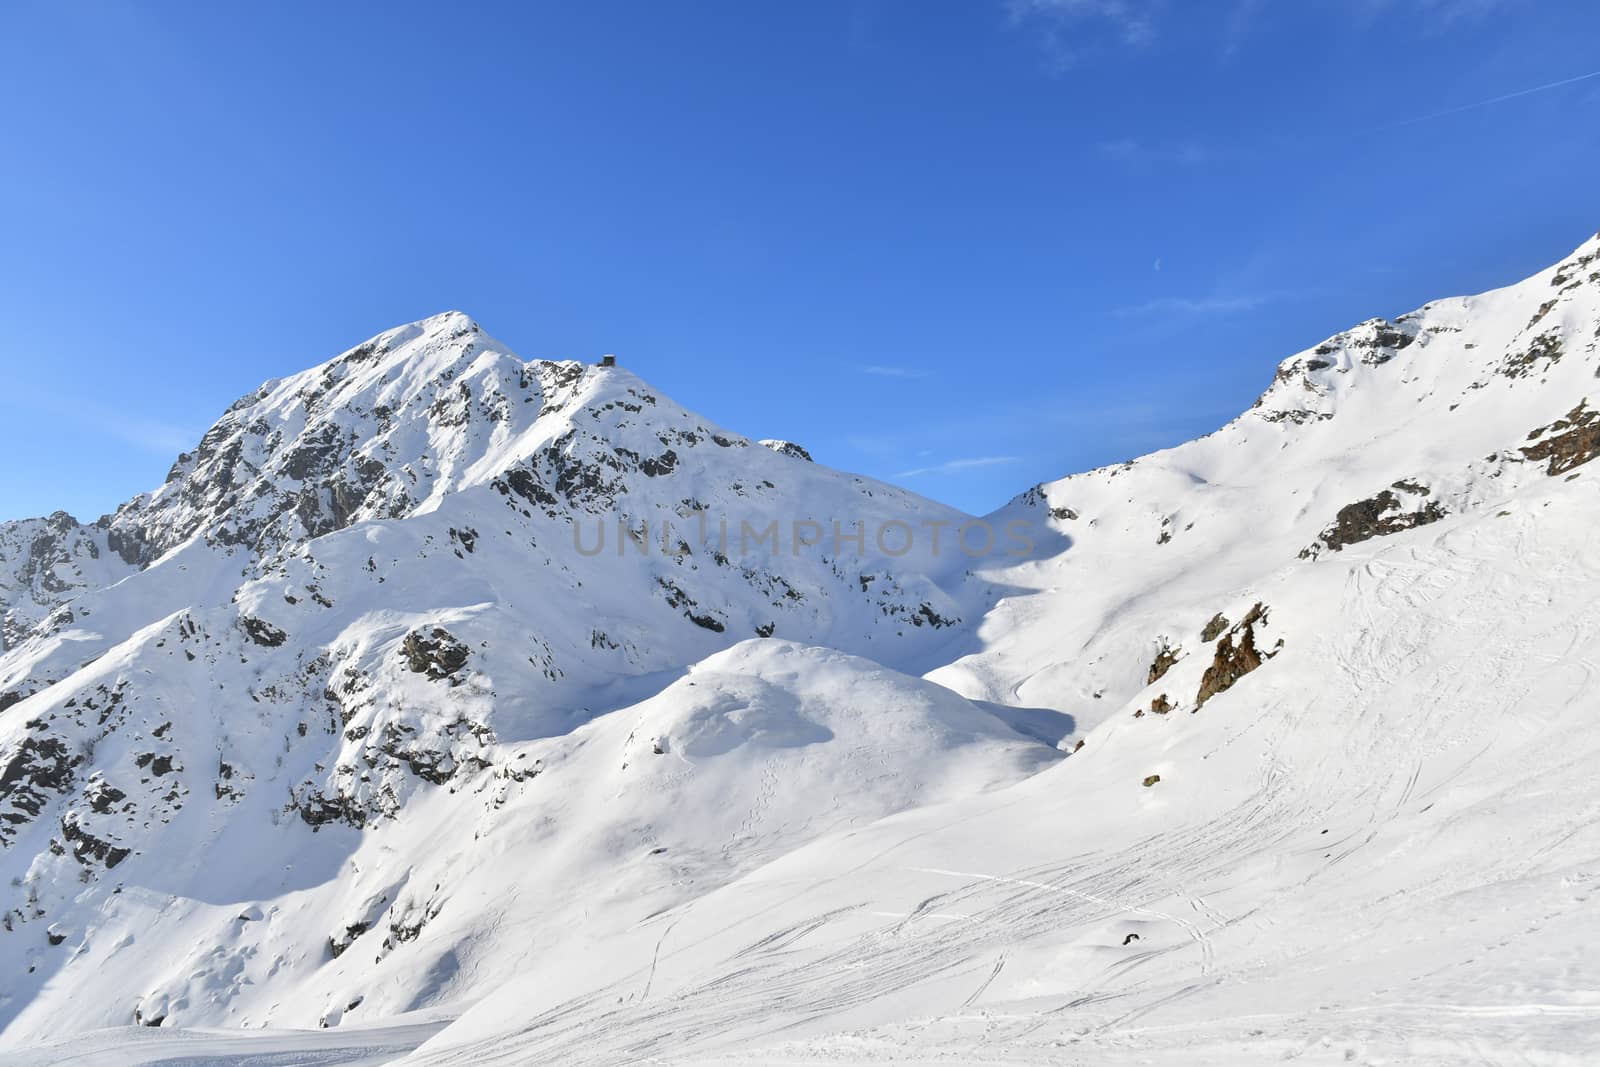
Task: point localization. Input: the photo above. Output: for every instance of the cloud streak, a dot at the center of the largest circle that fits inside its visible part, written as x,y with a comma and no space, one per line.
956,466
882,370
1071,28
1132,20
1132,151
1178,305
92,417
1491,101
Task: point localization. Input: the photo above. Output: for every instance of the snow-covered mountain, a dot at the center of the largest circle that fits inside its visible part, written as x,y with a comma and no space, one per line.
1273,744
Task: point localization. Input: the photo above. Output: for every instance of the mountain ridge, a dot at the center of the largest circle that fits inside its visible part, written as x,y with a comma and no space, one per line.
328,732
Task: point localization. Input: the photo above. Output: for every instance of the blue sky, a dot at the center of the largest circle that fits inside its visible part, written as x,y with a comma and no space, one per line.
963,246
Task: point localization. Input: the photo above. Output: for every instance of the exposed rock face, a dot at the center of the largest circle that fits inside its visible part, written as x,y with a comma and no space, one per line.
1236,656
787,448
434,653
308,456
31,775
87,847
1304,388
1213,629
1166,656
1376,516
1571,442
44,564
262,632
1541,353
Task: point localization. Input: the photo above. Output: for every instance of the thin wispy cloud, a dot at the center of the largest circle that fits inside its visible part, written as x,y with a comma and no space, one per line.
1133,151
1490,101
1238,24
149,435
1444,13
1134,21
1206,305
1070,29
158,437
956,466
884,370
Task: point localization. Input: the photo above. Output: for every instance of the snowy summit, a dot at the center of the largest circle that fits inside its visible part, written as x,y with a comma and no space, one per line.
443,707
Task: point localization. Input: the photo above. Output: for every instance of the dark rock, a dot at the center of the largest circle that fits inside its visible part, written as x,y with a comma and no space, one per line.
262,632
87,847
656,466
1376,516
1544,348
1386,339
1166,656
37,767
337,945
1574,440
925,615
103,796
786,448
677,598
435,653
1236,656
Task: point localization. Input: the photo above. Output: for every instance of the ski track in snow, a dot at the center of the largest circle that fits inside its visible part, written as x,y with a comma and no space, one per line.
1396,754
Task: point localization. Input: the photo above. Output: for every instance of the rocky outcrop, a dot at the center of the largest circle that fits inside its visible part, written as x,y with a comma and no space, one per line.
1568,442
1236,656
1542,353
435,653
1388,512
45,564
1166,657
788,448
262,632
87,848
31,774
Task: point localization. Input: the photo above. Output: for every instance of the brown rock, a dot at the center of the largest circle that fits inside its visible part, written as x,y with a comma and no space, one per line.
1574,440
1236,656
1163,662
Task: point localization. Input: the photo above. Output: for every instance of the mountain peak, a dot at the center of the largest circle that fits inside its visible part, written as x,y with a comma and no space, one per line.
427,606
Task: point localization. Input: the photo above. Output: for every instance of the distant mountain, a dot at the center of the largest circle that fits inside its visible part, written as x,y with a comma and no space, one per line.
1272,742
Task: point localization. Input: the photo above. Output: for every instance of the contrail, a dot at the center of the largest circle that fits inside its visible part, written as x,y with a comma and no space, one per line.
1492,100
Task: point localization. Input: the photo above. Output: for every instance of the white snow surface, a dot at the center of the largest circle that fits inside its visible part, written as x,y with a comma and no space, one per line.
336,750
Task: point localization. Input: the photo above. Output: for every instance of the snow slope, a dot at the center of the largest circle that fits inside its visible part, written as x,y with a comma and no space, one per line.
362,644
1382,848
1331,668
